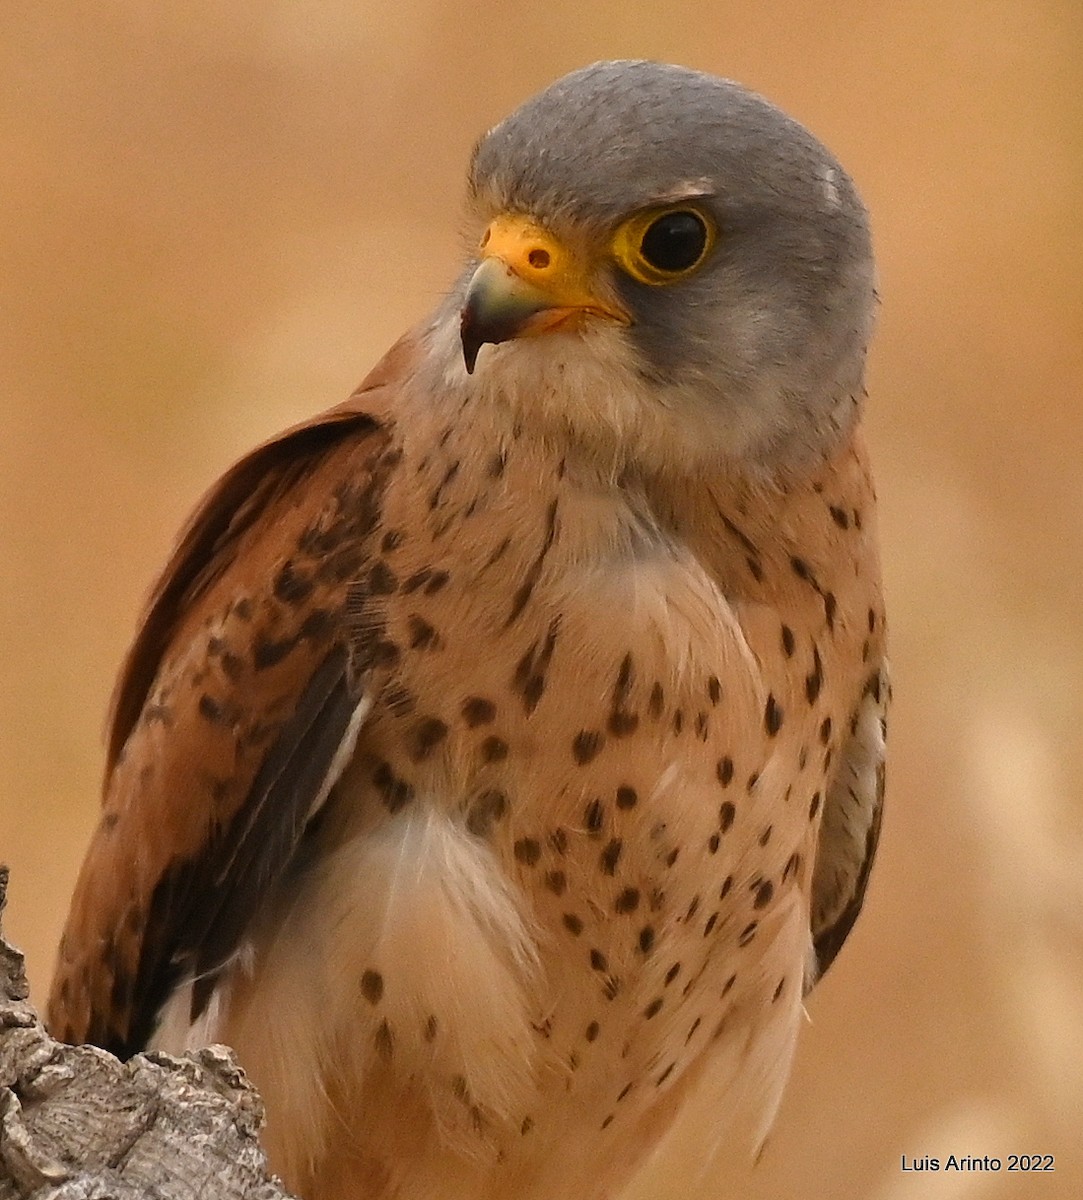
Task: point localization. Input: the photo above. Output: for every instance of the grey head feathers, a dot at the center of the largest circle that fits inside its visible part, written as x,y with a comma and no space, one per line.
771,333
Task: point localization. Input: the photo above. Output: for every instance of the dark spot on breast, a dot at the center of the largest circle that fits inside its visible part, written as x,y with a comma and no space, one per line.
654,1008
801,568
436,583
422,634
708,928
814,805
587,745
598,960
779,990
726,814
621,723
748,933
815,679
526,588
830,608
431,1027
232,665
788,643
678,721
478,711
825,731
656,703
765,836
764,891
714,689
627,901
527,851
752,781
556,882
725,771
384,1040
755,568
417,580
646,939
372,986
531,669
438,492
394,791
672,973
573,924
792,863
497,464
727,987
494,749
558,839
713,843
428,734
242,609
626,797
533,690
593,817
724,890
486,810
391,540
610,856
592,1031
382,580
840,516
772,716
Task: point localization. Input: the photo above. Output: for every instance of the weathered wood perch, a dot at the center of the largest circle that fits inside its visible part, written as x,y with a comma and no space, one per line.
78,1124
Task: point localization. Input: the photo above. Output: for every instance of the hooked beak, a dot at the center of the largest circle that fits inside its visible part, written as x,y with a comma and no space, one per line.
526,284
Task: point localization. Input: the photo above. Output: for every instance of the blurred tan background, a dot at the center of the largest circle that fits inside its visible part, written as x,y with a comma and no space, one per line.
214,217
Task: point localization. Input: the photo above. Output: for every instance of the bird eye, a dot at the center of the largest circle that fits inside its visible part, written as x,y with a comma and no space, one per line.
675,242
663,247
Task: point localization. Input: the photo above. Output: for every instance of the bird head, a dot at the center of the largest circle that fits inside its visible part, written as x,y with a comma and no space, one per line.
666,264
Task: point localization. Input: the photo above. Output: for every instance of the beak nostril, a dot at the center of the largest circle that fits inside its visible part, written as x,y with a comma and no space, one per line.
538,258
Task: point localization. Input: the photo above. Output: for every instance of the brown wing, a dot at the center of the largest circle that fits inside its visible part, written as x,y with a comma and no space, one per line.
228,714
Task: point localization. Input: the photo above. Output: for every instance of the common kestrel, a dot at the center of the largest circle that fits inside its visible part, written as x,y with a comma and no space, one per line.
499,761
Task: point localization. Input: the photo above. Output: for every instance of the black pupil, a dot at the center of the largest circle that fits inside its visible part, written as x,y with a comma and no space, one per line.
674,242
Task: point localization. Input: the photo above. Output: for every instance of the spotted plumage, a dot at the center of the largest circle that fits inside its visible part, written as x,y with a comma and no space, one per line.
500,759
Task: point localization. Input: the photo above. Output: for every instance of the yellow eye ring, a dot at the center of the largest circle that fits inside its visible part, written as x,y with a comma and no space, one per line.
663,245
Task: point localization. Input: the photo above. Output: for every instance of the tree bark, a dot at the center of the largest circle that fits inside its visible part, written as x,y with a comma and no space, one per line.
78,1124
